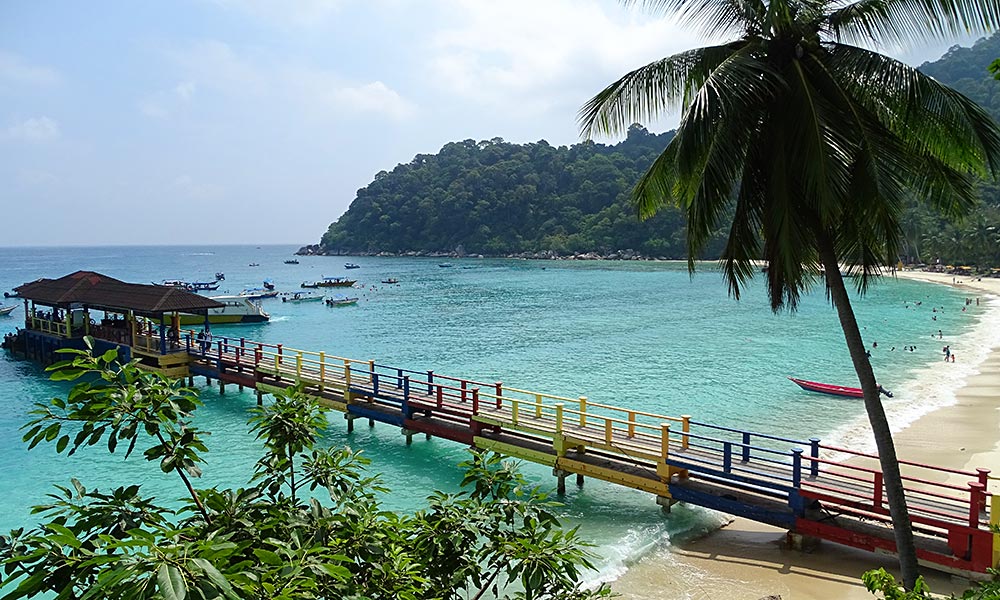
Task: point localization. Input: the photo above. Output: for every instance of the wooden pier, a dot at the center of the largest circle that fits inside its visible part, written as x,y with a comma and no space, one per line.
808,487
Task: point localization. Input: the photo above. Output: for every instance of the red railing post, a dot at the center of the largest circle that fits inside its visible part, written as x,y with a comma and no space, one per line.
464,382
499,386
440,395
475,401
877,492
977,496
256,355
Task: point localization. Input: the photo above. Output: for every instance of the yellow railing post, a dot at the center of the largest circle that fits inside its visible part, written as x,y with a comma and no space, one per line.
514,406
664,441
994,522
608,430
298,364
322,369
631,423
538,406
583,411
559,417
686,427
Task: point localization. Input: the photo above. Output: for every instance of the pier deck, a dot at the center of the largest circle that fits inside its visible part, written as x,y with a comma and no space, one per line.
804,485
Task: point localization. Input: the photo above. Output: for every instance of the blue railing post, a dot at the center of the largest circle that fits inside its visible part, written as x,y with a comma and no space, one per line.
406,398
796,468
814,453
430,382
374,384
727,457
399,378
746,446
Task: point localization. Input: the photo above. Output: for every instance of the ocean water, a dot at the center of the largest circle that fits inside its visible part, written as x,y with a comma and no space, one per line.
637,334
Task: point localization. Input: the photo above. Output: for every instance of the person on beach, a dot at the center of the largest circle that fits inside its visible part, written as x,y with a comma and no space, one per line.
952,357
940,335
947,353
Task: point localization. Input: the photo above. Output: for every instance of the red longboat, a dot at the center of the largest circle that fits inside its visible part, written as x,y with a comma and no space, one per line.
826,388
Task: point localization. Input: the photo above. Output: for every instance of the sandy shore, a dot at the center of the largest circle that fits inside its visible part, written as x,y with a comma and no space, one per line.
748,560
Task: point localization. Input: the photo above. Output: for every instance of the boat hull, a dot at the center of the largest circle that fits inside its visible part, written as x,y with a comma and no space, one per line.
829,389
6,310
222,319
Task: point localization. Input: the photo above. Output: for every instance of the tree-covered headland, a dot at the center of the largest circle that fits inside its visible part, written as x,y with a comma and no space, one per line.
498,198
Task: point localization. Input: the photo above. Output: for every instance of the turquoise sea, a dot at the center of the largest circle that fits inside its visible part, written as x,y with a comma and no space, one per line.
637,334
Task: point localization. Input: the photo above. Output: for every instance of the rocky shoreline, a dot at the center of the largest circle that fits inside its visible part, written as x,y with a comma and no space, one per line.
317,250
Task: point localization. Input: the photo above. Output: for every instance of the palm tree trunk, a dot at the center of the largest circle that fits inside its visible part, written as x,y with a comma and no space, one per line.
895,495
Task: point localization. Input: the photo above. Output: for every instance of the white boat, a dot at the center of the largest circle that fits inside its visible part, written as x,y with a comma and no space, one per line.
301,297
237,309
258,293
6,310
340,300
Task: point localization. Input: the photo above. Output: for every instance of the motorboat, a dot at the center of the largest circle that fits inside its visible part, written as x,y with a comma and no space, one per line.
6,310
258,293
292,261
301,297
341,300
330,282
445,265
352,266
834,390
236,309
390,280
268,284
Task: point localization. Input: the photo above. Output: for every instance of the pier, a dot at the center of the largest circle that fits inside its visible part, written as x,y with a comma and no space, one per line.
812,489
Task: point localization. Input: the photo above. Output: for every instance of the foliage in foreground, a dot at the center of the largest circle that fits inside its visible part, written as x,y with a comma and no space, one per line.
308,524
878,581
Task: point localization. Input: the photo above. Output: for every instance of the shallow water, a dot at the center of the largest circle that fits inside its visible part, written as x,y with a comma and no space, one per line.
636,334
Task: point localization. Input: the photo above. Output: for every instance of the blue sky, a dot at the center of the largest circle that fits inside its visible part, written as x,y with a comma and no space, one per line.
256,121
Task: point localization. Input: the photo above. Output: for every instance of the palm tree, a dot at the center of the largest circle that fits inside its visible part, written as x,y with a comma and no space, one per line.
808,145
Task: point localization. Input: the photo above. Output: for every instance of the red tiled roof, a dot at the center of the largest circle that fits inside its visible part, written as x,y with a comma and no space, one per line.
100,291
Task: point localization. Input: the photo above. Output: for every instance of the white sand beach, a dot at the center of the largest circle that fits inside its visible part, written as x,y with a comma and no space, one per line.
748,560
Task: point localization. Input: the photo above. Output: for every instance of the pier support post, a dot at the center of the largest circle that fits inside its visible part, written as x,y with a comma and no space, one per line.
371,422
579,480
350,422
665,503
222,387
408,433
801,542
260,398
190,380
561,480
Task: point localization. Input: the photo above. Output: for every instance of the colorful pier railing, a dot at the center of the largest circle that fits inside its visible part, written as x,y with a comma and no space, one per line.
809,487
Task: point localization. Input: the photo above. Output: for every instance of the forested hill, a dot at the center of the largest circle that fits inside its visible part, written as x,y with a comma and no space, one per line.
966,70
498,198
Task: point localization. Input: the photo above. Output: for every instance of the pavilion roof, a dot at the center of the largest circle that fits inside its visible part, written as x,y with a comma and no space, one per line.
103,292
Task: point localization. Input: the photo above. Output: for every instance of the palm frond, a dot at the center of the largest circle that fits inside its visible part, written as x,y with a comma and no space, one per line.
649,91
713,18
930,118
909,22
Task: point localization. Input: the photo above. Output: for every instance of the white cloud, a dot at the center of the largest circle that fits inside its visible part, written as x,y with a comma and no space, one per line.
16,70
373,97
530,57
160,105
285,85
35,130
